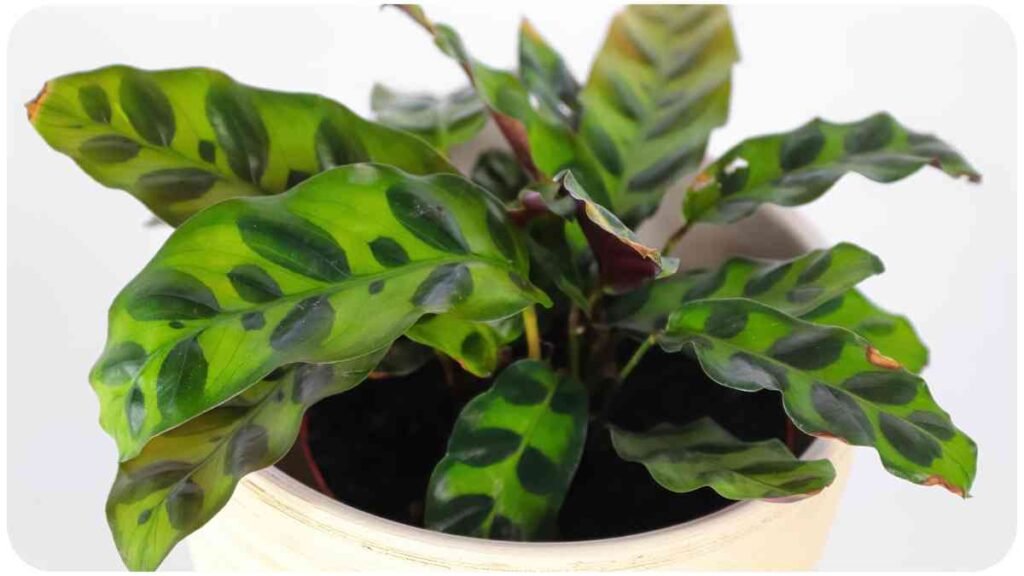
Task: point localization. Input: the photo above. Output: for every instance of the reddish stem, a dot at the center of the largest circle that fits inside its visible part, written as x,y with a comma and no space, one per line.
791,436
307,453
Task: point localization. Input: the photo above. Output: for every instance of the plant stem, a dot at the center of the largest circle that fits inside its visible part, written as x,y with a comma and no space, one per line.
637,356
532,332
574,342
674,239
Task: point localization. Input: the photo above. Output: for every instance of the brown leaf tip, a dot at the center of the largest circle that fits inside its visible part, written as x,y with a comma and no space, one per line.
881,360
939,481
33,106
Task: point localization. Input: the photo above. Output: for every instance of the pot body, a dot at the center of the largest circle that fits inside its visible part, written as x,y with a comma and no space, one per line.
275,522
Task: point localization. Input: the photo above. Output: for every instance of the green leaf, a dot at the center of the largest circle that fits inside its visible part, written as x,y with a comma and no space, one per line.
658,87
182,140
893,334
185,475
553,259
402,359
833,383
703,454
546,76
333,269
511,457
624,262
444,121
795,287
794,168
500,173
474,345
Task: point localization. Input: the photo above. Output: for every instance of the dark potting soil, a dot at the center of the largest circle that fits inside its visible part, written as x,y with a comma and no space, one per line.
376,445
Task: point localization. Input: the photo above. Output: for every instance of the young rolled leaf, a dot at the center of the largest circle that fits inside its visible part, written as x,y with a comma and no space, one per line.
547,77
444,121
794,168
474,345
658,87
182,140
703,454
893,334
499,173
833,384
511,457
624,263
184,476
795,287
339,266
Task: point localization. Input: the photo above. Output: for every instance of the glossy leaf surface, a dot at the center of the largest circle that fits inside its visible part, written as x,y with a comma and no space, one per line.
796,286
893,334
333,269
547,77
794,168
511,457
184,476
443,121
182,140
703,454
833,383
474,345
658,87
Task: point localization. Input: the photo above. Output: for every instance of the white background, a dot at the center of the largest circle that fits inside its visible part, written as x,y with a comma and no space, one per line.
949,247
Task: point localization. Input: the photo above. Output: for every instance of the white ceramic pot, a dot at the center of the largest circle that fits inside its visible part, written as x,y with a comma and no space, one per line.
275,522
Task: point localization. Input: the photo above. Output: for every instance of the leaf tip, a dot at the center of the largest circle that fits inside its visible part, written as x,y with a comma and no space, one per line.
33,106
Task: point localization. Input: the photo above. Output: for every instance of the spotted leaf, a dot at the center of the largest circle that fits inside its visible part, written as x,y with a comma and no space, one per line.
796,286
443,121
703,454
184,476
474,345
833,383
794,168
182,140
659,85
893,334
500,173
187,338
511,457
547,77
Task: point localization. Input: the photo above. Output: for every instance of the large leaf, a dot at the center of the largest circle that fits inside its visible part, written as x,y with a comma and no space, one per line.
794,168
474,345
338,266
703,454
658,87
796,286
833,383
511,457
184,476
547,77
182,140
444,121
893,334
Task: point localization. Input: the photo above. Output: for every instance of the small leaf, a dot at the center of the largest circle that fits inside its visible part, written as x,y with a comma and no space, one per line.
511,457
184,476
474,345
659,86
553,258
794,168
795,286
443,121
251,285
499,173
624,262
702,453
892,334
182,140
833,382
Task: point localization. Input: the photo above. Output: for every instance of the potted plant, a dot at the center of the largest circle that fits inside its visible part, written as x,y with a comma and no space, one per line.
535,372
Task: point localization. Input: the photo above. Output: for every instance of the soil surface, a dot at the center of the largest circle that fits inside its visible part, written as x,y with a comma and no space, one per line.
376,445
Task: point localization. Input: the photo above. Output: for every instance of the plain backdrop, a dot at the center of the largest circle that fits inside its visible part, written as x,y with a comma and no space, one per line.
949,247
